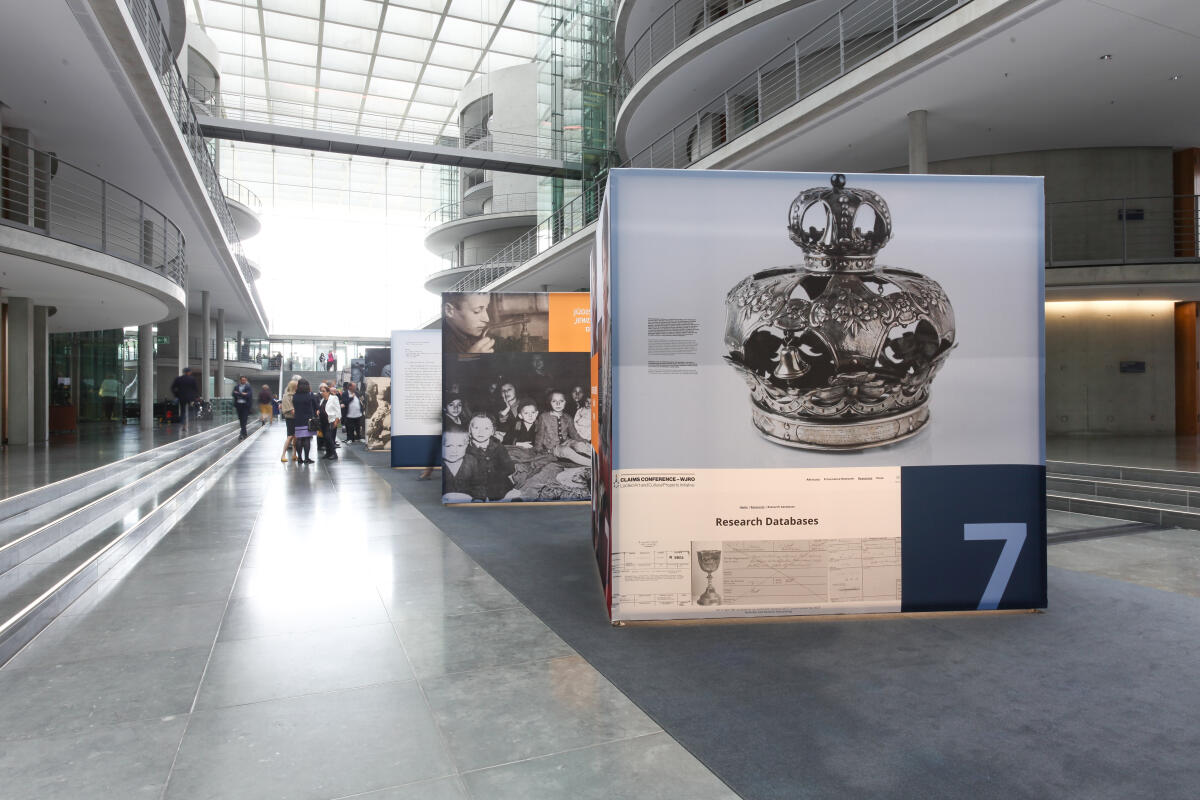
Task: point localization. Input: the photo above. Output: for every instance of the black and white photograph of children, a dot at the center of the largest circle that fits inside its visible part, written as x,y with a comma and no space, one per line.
516,426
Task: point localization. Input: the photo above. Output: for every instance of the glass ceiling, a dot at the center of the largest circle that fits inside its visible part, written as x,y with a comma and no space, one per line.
407,59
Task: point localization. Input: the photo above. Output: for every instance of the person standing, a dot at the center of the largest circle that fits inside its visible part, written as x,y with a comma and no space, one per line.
241,403
266,405
288,410
321,359
186,390
331,415
304,407
110,391
353,412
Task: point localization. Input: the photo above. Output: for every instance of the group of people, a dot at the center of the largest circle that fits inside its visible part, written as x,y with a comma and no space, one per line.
307,414
475,458
328,362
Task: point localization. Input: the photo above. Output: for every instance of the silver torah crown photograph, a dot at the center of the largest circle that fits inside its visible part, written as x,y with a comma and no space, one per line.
839,354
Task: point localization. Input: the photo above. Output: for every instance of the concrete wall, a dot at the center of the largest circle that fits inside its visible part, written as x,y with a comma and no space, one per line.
1085,390
1094,230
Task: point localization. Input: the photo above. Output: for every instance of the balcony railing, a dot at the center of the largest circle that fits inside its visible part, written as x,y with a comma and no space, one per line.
848,38
42,193
471,256
1125,230
568,220
498,204
236,190
670,29
154,38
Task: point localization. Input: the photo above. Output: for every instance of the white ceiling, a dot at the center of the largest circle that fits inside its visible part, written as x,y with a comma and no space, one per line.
407,59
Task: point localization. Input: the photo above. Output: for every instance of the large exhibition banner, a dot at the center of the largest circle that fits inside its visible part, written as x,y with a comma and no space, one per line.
416,423
818,393
516,400
377,390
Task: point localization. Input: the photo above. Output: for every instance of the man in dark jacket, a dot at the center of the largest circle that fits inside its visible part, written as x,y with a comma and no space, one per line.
186,390
241,403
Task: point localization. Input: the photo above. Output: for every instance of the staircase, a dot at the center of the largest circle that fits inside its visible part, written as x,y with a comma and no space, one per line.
58,540
1161,497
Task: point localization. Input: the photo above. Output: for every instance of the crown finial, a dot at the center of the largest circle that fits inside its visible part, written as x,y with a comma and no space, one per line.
839,229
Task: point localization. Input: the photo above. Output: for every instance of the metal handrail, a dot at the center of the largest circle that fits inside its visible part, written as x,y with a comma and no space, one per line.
42,193
1123,230
855,33
471,256
309,116
154,37
236,190
674,26
568,220
500,204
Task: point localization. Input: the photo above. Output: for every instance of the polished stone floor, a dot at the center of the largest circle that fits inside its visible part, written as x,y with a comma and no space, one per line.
1134,552
25,467
304,632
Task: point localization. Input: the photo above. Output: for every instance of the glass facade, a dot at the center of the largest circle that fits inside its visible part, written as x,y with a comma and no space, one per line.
576,93
93,377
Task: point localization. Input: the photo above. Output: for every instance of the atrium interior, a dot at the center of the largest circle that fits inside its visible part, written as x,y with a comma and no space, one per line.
268,189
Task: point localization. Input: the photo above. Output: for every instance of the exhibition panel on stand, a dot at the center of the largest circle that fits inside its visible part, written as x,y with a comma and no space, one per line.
818,394
516,417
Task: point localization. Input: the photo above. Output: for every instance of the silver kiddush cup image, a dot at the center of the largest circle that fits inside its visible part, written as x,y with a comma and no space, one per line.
839,354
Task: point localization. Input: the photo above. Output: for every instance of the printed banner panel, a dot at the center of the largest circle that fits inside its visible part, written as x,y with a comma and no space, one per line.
758,325
516,416
715,542
416,422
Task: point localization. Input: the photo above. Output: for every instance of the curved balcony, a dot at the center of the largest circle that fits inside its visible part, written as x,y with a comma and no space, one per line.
670,29
835,45
244,206
454,222
150,30
569,220
458,263
102,256
40,192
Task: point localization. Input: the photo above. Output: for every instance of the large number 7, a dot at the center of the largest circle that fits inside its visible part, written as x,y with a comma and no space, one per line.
1013,536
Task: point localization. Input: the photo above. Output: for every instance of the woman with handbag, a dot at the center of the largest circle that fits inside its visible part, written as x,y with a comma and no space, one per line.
304,407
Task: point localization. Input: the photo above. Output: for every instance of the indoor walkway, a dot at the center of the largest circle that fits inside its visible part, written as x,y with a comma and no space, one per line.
305,632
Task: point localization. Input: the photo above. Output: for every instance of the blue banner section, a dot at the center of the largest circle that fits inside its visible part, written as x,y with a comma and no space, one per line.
973,537
417,451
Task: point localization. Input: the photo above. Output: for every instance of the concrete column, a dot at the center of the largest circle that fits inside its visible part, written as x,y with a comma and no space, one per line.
41,374
20,371
219,381
146,376
918,141
75,348
205,338
181,334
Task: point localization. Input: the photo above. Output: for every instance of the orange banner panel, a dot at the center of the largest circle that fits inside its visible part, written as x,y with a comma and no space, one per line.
570,322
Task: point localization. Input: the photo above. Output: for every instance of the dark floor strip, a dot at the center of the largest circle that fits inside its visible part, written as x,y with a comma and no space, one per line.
889,707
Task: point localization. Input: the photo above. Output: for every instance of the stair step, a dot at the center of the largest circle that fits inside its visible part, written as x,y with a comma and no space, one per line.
102,538
34,507
1160,514
1146,493
1149,475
